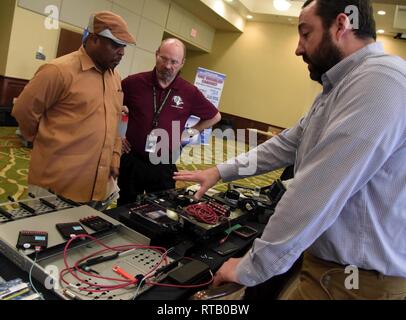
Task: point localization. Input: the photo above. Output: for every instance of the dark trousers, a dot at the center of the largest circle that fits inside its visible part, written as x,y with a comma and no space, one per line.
138,175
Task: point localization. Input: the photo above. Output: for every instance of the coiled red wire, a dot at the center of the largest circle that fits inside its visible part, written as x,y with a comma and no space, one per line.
203,213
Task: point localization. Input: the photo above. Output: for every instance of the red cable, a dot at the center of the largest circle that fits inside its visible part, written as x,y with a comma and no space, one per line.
103,288
202,212
106,287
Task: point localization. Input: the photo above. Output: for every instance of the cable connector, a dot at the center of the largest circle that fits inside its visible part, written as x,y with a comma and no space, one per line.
69,294
140,279
124,274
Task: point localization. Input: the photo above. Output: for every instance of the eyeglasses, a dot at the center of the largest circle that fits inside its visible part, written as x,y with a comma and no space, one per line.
166,60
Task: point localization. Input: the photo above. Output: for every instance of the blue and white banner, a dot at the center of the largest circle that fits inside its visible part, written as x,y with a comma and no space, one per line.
211,84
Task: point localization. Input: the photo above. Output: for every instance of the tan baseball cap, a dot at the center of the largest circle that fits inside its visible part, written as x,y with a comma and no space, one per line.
112,26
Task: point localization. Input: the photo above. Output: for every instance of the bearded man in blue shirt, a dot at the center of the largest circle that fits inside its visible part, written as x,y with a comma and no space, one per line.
346,205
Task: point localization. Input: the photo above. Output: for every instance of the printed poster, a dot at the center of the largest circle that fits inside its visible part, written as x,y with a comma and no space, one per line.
211,84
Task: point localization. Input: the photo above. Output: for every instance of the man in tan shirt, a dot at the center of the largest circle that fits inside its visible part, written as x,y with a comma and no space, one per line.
70,110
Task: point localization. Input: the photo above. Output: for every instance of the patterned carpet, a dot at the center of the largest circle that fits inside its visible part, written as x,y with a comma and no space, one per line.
14,160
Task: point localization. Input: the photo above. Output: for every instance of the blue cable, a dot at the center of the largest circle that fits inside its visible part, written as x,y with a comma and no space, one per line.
30,277
143,279
138,288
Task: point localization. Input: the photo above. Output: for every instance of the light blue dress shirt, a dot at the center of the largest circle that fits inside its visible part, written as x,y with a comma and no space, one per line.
347,202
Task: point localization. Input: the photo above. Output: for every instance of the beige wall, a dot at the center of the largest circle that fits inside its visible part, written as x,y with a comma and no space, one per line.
393,46
28,33
6,21
265,80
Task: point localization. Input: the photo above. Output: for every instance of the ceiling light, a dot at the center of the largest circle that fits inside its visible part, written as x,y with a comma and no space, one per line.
249,16
380,31
381,12
282,5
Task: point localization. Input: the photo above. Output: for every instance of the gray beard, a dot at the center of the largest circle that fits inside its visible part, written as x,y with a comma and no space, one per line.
165,78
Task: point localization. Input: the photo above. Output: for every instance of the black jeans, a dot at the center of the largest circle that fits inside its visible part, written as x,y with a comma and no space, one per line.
138,175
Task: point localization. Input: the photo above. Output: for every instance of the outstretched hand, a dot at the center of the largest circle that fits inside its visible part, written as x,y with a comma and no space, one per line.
206,178
227,272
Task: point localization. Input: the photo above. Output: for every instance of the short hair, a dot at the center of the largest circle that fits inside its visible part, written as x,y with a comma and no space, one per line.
328,11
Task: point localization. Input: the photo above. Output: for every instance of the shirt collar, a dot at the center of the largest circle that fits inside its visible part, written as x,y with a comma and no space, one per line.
174,85
86,62
336,73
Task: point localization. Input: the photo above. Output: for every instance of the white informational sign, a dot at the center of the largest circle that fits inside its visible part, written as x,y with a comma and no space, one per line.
211,84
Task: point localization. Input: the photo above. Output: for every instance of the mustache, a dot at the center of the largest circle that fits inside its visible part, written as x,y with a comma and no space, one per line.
164,71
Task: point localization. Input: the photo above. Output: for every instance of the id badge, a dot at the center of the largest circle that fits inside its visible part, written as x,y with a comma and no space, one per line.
150,145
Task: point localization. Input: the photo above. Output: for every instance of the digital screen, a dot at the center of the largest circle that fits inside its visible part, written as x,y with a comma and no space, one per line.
77,228
40,238
155,214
